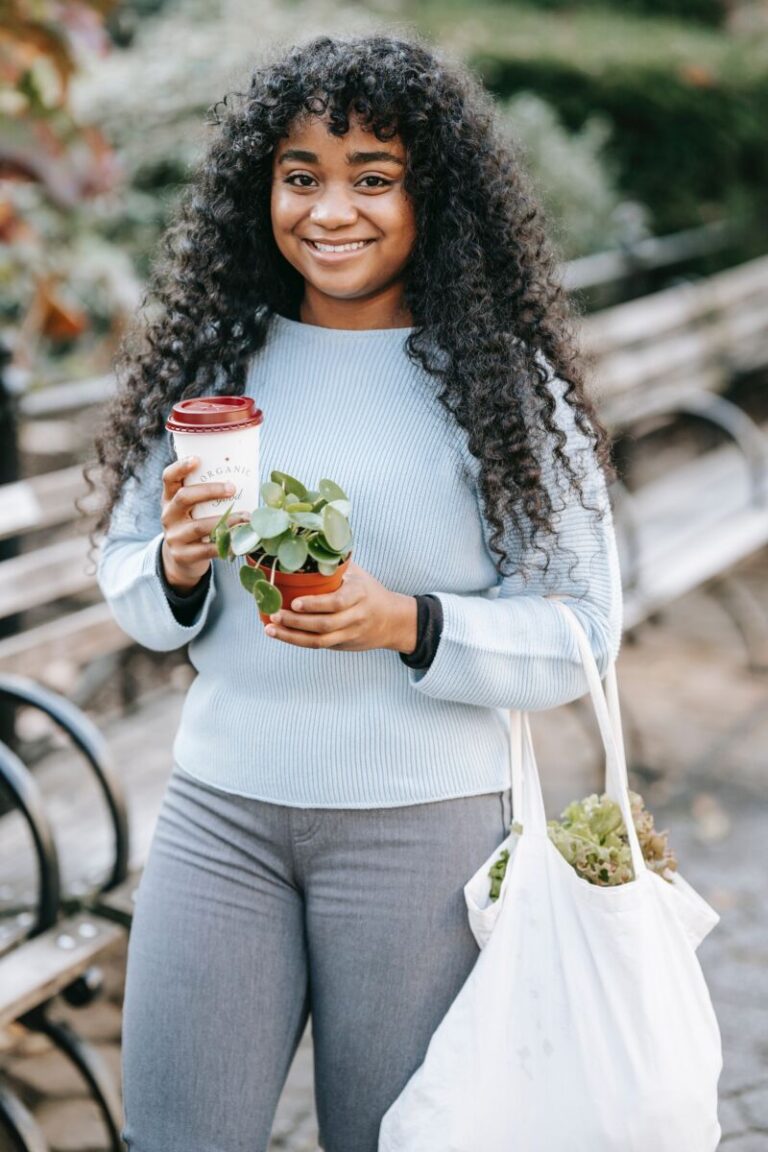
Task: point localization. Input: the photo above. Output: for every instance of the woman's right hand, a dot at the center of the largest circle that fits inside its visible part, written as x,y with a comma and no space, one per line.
187,550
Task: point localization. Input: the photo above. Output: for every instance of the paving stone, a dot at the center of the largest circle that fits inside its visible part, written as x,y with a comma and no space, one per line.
297,1098
100,1021
743,1066
112,1057
755,1105
49,1074
748,1142
31,1043
303,1138
731,1116
72,1126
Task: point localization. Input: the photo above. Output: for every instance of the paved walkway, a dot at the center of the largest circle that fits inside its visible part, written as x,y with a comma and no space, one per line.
701,766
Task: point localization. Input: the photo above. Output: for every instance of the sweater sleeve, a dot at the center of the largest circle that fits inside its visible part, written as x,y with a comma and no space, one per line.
185,608
509,647
429,625
127,571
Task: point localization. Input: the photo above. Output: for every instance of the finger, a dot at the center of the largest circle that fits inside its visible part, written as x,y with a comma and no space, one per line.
192,531
189,554
305,639
330,602
192,494
174,474
321,623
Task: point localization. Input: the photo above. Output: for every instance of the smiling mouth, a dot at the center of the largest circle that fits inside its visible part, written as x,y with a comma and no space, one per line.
334,249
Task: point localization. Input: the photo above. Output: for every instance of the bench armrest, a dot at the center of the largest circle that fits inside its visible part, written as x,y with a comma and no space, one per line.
88,739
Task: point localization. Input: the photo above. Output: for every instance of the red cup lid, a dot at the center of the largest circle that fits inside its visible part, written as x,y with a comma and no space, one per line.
210,413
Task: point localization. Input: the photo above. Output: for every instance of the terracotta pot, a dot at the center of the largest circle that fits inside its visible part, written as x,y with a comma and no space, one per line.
293,584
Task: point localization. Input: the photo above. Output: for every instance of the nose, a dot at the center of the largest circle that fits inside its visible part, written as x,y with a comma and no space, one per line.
333,209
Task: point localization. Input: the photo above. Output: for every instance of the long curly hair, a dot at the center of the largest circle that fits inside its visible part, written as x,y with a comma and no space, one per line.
489,313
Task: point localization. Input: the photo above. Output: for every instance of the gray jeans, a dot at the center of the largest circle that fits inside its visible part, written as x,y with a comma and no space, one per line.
250,916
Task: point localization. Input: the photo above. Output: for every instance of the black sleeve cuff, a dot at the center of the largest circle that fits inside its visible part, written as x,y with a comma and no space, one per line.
184,608
429,626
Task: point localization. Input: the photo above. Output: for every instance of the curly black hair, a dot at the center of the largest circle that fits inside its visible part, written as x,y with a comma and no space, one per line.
491,319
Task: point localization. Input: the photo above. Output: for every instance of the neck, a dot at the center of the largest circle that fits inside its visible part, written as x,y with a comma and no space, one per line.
385,310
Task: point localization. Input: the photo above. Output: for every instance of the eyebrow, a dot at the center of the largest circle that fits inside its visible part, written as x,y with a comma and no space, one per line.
352,157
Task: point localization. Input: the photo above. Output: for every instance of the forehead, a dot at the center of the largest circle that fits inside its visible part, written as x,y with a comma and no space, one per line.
310,133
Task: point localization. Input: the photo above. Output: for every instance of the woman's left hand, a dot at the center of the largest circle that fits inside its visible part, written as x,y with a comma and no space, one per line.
361,614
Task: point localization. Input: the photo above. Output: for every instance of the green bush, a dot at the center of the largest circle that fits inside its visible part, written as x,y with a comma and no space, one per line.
574,181
711,12
685,143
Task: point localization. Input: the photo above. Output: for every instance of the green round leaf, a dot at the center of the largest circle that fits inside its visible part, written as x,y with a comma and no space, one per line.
343,506
335,528
222,543
269,522
289,483
327,569
319,552
331,490
243,539
271,545
267,596
223,521
307,520
292,553
273,494
249,576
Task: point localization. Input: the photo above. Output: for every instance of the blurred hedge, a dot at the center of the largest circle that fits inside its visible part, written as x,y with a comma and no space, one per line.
690,145
711,12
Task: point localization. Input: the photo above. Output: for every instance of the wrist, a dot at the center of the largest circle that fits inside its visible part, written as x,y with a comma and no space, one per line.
182,586
405,630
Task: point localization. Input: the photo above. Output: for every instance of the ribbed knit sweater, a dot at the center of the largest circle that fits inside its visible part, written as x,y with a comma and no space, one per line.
314,727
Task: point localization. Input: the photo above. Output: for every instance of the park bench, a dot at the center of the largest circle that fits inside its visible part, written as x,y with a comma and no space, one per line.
670,357
51,950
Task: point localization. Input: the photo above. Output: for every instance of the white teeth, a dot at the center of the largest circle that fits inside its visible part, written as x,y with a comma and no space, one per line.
338,247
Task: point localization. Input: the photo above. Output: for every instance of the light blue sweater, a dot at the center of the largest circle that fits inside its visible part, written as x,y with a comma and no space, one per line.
318,727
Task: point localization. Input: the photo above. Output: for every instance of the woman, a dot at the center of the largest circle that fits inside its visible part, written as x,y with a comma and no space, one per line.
339,776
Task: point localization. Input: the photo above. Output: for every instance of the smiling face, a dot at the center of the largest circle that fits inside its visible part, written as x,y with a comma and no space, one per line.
341,217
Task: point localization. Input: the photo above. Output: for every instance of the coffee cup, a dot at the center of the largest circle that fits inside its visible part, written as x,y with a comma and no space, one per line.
223,433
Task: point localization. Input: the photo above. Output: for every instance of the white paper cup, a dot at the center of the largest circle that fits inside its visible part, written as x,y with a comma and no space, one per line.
224,433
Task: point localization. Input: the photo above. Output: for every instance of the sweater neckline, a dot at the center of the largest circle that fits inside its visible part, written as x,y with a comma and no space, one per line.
319,332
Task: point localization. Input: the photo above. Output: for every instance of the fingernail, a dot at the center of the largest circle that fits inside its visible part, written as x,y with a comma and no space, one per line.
297,604
276,617
271,631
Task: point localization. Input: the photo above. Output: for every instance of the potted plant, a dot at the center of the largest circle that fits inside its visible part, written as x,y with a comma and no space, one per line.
298,541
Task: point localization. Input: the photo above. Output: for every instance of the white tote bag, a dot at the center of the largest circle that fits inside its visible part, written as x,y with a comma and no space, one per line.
586,1024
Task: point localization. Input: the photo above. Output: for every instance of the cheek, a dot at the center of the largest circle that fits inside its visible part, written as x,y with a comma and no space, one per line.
403,231
403,221
278,209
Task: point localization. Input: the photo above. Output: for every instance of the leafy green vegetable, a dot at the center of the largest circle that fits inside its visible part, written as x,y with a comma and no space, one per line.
592,838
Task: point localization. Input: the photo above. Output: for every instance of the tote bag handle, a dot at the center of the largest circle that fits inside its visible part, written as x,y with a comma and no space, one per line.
527,799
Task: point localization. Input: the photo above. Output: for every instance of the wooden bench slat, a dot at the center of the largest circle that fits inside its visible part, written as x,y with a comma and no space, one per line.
45,575
690,354
675,308
75,638
41,968
42,501
686,569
